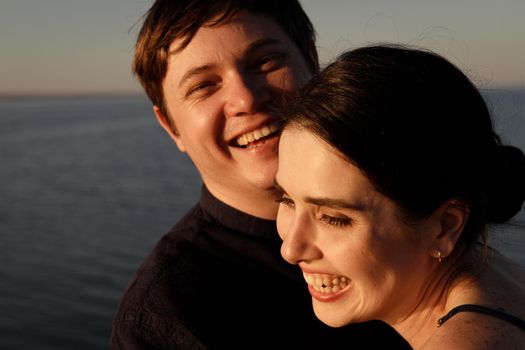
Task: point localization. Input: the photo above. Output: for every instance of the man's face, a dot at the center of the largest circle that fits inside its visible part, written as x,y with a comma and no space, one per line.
218,92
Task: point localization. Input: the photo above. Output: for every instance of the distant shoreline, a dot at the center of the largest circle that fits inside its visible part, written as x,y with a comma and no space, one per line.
5,97
21,96
54,96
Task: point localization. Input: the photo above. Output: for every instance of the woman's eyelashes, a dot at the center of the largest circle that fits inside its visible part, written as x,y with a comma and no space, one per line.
286,202
337,221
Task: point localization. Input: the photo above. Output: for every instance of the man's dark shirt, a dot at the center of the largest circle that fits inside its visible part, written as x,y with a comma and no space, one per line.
217,281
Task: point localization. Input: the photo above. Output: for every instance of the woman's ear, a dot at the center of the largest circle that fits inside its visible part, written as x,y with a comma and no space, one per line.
169,127
451,217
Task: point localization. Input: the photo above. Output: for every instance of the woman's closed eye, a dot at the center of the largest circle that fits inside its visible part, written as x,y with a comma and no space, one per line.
286,202
336,221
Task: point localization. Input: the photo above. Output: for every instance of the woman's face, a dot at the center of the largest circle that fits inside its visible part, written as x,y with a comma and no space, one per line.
360,260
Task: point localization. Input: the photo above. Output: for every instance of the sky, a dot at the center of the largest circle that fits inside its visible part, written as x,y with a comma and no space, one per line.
85,46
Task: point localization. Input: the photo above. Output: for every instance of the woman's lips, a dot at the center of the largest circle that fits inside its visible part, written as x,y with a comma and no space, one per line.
326,287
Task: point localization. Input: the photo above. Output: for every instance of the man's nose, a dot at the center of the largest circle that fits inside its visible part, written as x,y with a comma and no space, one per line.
246,94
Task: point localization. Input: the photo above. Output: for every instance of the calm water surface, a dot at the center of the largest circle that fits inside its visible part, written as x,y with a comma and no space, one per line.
87,186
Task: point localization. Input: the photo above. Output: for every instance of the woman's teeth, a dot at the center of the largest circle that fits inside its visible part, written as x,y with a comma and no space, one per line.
257,134
326,283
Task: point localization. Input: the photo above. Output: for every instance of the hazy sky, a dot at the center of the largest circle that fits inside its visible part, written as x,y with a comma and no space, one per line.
71,46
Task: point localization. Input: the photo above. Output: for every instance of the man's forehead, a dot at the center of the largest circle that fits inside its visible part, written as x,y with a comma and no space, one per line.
253,25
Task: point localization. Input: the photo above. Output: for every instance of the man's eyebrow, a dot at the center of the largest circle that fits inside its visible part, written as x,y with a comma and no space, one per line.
261,43
194,71
249,50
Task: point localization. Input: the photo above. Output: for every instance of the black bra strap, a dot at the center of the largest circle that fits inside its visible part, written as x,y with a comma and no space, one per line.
483,310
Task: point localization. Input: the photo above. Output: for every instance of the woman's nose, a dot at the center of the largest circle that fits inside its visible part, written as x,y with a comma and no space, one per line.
299,244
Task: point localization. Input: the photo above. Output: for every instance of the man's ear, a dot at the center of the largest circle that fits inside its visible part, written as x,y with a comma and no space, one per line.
452,217
168,126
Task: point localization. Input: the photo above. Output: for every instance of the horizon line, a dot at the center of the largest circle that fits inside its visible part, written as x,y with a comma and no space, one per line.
10,96
19,95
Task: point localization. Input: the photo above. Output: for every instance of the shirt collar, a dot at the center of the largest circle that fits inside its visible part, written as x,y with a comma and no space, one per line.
236,219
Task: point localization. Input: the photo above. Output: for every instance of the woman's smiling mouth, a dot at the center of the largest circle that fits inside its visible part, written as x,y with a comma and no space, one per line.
326,288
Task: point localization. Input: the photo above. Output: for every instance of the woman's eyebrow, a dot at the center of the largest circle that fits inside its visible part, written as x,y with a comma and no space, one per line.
335,203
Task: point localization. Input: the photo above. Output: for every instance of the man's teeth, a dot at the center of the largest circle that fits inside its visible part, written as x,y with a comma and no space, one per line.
326,283
255,135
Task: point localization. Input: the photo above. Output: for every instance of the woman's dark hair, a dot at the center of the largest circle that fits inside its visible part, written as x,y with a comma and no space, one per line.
418,129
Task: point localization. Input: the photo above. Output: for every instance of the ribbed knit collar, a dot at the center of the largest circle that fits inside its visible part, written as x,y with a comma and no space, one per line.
235,219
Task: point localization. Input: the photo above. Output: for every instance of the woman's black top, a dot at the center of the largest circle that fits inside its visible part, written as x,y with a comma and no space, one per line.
483,310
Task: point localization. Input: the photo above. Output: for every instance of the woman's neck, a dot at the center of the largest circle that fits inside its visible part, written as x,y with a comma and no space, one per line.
444,288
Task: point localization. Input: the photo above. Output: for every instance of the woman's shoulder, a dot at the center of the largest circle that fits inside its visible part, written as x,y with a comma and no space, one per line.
485,313
472,330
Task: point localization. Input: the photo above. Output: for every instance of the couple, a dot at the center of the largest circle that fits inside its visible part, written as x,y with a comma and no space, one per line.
388,172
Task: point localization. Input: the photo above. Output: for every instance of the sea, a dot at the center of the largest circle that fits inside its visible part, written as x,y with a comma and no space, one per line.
88,184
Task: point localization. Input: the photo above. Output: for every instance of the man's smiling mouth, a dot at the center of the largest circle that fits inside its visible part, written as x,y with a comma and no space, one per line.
257,134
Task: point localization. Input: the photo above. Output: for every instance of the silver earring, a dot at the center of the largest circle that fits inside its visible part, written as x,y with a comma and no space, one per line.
439,255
